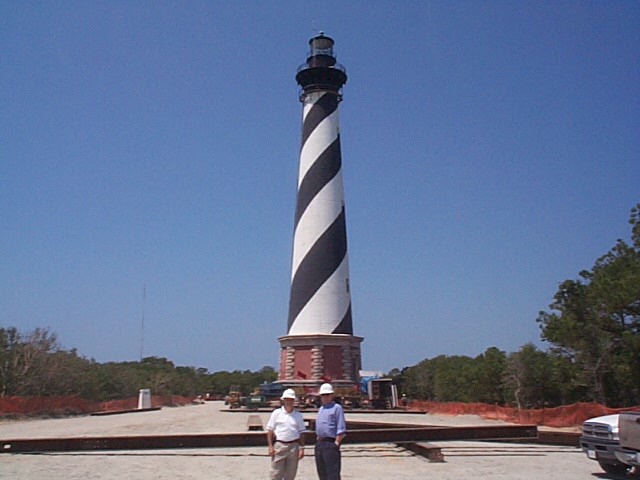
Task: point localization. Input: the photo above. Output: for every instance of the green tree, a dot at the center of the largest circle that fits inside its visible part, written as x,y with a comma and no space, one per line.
530,376
25,361
9,345
595,322
490,370
418,380
69,374
454,379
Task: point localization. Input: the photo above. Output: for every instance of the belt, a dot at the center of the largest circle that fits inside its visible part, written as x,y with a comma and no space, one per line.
290,441
325,439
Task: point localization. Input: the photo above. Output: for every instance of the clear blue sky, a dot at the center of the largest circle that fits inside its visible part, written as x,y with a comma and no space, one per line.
490,151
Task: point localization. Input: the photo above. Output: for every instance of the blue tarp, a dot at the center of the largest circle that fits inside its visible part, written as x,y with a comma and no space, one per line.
271,389
364,383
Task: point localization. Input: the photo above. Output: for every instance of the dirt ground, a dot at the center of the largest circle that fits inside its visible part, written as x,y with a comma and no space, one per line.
463,460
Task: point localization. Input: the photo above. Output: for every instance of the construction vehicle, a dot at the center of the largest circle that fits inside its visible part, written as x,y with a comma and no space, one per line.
372,392
379,393
271,391
235,398
349,396
258,399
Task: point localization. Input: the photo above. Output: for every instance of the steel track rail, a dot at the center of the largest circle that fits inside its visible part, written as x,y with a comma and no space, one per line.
409,433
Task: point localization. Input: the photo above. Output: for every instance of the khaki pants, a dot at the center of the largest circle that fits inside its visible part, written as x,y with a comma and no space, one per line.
284,463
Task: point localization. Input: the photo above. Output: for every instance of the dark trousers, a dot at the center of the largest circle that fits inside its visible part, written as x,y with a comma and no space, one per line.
328,460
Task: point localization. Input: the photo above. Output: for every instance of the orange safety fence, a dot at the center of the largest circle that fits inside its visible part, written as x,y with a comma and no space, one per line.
74,405
564,416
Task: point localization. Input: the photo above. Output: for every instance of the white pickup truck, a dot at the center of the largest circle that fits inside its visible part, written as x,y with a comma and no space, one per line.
599,440
629,450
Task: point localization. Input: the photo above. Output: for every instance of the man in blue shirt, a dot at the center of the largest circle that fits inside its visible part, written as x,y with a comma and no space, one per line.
330,431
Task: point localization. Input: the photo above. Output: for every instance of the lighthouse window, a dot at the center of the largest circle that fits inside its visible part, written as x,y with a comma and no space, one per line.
322,51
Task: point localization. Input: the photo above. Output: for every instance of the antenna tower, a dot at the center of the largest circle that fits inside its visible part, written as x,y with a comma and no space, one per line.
144,302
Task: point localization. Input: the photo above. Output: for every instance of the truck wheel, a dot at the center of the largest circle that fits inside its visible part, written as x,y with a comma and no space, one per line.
614,468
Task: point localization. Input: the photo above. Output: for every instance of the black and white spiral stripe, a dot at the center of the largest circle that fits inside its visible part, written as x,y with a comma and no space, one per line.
320,301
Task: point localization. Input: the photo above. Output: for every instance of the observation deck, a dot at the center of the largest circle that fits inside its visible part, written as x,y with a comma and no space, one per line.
321,71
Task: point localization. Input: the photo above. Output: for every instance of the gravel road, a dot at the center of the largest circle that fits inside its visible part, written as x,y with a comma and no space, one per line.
463,460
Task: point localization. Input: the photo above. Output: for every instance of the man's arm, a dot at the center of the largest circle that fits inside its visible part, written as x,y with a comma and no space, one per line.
270,438
301,429
271,434
342,426
301,449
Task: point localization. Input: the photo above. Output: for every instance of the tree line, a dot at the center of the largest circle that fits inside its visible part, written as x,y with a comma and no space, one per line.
34,364
592,328
528,378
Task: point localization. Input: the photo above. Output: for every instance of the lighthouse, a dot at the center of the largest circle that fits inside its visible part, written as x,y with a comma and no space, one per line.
319,345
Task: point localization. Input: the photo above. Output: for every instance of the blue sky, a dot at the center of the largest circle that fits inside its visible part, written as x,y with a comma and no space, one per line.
490,151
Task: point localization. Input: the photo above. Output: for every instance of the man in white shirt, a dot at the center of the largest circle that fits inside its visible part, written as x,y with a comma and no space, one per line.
286,444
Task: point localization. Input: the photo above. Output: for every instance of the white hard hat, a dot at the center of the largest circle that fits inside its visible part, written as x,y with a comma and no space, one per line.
326,388
288,393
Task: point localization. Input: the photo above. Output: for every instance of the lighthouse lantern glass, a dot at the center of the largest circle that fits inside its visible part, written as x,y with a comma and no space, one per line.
321,46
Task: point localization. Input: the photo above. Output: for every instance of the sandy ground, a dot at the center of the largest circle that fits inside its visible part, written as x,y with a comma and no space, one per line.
463,460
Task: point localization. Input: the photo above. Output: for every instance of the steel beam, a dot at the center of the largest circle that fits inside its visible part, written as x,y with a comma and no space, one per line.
413,433
409,433
249,439
431,452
